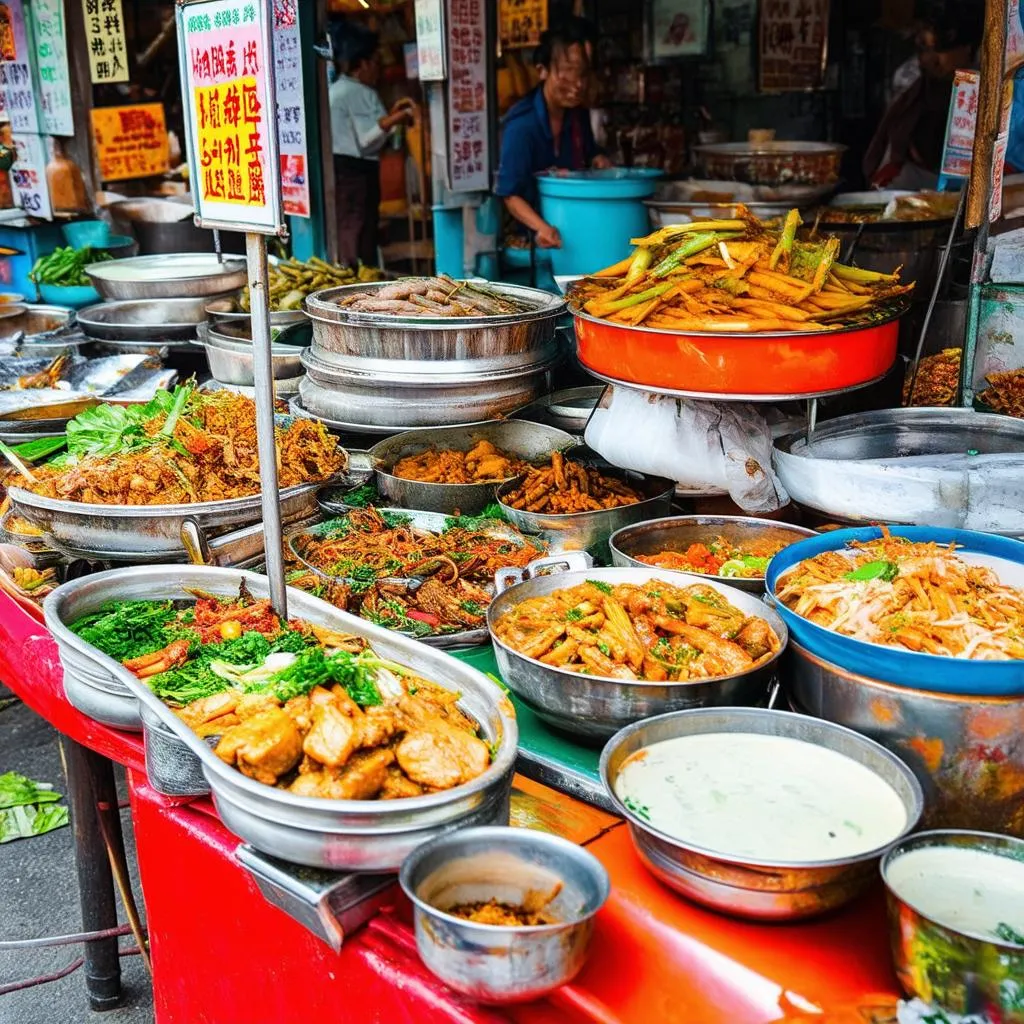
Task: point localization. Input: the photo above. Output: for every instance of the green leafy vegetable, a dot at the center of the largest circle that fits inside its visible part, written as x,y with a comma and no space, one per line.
491,514
573,615
18,790
33,451
393,519
880,570
28,808
603,587
471,608
1009,934
313,668
362,496
128,629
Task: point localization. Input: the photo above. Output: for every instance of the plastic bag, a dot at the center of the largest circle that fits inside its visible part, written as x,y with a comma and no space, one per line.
707,447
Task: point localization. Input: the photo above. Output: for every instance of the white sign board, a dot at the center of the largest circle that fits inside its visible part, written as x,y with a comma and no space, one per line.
291,109
468,156
227,74
16,71
430,39
28,177
51,46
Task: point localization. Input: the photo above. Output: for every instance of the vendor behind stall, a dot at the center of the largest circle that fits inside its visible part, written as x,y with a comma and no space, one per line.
548,128
359,129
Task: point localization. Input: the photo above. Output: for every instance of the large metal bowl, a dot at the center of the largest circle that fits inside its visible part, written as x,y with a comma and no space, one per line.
531,442
955,970
743,887
143,319
677,533
899,665
771,163
167,276
967,752
226,309
595,707
229,353
493,963
589,531
349,835
453,346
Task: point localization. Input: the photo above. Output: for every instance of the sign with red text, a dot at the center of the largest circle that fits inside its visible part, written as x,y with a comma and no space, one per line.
430,40
291,109
131,142
227,73
28,176
792,45
16,70
960,125
468,157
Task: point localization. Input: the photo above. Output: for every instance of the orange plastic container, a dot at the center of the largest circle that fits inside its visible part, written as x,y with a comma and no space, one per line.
793,364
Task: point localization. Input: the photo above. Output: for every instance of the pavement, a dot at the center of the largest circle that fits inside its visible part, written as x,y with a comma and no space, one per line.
39,896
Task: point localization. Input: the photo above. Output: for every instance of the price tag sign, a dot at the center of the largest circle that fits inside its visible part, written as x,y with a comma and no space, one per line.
131,142
291,109
227,74
430,39
28,177
51,48
521,22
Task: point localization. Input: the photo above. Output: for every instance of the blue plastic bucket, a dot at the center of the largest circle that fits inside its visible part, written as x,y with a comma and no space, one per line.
596,213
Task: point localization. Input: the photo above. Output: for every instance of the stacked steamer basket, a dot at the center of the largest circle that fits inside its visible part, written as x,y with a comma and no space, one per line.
379,373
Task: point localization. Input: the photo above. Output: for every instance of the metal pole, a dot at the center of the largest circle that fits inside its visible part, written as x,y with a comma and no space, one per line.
256,255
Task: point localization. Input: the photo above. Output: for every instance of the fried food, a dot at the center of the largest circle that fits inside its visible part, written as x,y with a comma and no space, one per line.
483,463
738,276
1005,393
439,296
916,596
209,455
653,631
719,557
938,378
564,488
504,915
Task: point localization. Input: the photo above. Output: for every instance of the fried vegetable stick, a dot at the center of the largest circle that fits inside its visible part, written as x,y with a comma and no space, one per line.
784,248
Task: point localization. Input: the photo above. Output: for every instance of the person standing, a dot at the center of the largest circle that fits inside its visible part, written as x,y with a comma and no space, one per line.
360,127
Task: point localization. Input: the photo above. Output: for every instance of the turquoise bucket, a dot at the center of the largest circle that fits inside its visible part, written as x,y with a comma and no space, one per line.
596,213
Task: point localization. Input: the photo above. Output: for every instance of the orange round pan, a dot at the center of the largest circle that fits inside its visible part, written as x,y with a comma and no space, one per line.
791,364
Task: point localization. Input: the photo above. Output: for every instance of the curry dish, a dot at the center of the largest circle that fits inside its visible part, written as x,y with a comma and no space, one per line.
304,708
652,631
918,596
483,463
719,557
564,488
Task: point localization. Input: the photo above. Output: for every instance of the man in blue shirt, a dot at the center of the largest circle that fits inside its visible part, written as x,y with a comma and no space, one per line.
549,128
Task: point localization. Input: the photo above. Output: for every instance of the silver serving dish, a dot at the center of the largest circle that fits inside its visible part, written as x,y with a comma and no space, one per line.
225,309
589,531
741,887
433,522
229,355
167,276
595,707
771,163
923,467
143,319
342,835
529,441
677,533
409,400
955,970
145,533
492,963
452,346
958,746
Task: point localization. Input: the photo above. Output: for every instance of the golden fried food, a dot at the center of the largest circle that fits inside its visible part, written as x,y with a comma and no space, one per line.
211,455
503,915
938,377
1005,393
483,463
652,631
564,488
918,596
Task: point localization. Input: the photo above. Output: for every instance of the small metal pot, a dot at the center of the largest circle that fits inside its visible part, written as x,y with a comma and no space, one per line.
491,963
742,887
677,533
229,354
595,707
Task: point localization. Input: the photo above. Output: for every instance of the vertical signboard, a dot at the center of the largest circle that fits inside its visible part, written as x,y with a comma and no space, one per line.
430,39
291,109
28,176
16,69
521,22
49,32
104,39
228,85
793,45
468,156
960,125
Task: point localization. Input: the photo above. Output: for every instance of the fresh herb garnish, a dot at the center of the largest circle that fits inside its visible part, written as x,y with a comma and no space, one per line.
640,810
573,615
471,608
355,672
604,648
127,629
603,587
880,570
393,519
492,513
1008,933
362,496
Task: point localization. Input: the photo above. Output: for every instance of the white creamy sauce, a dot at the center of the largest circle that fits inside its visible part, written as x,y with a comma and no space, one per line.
769,798
967,890
165,271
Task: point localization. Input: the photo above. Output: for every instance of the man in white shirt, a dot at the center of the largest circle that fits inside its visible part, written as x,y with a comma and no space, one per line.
359,129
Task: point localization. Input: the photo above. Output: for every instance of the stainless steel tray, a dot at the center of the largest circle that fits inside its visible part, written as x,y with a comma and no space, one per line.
347,835
143,319
167,276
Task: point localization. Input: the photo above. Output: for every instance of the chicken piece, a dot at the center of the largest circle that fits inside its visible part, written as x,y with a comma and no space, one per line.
207,709
344,701
216,726
333,736
377,726
301,711
432,702
601,665
362,778
440,755
706,608
264,747
250,704
757,638
731,656
397,785
171,656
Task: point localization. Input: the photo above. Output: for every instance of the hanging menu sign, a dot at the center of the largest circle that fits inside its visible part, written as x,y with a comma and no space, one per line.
15,69
104,39
131,142
291,109
228,82
521,22
960,125
793,45
51,50
468,157
430,39
28,176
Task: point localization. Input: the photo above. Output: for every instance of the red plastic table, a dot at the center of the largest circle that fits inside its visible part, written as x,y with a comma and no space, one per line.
222,954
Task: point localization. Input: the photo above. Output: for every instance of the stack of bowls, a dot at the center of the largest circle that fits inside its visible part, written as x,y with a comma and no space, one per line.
229,353
379,372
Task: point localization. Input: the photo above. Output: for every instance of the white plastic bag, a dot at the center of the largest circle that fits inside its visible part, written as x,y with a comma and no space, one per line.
707,447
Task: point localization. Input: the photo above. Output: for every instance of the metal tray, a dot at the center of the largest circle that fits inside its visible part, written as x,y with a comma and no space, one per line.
168,276
348,835
143,319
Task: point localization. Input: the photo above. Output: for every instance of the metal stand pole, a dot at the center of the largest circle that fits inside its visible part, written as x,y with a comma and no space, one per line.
91,781
263,374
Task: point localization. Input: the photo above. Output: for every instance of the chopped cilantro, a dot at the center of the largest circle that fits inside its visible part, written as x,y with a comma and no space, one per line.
640,810
603,587
573,615
604,648
471,608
